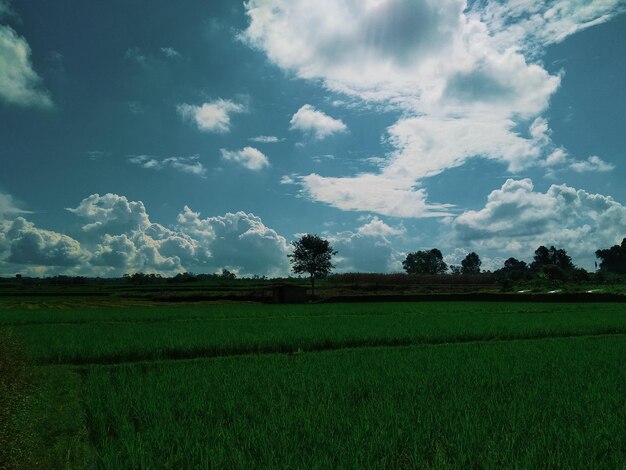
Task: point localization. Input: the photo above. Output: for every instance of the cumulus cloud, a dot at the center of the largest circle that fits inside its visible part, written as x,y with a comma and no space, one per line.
190,165
249,157
239,241
312,122
28,244
467,79
111,214
377,228
593,163
517,219
155,249
19,83
213,116
369,248
120,238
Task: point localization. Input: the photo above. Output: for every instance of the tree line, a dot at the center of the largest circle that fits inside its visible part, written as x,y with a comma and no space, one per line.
312,255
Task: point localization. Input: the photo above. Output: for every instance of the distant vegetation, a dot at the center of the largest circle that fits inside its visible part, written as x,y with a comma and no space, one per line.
312,256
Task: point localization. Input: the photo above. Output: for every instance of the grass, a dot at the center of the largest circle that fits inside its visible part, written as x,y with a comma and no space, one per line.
120,335
403,385
550,403
41,417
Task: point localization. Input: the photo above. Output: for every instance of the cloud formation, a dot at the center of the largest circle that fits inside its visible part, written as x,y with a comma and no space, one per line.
593,163
190,165
369,248
8,205
111,214
467,78
118,237
20,85
29,245
213,116
266,139
238,241
249,157
517,219
170,52
310,121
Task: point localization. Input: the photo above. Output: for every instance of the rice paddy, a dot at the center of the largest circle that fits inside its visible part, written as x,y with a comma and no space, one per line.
402,385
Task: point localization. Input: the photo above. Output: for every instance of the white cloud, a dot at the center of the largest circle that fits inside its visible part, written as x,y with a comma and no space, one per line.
238,240
120,238
8,206
372,193
190,165
466,79
593,163
367,249
170,52
30,245
312,122
19,83
112,214
538,23
517,219
154,249
249,157
266,139
377,228
557,157
213,116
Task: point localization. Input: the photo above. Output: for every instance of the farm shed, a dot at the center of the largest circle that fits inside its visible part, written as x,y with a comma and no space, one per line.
289,294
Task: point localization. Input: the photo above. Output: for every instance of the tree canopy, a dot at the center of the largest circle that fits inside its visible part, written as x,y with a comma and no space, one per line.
312,255
425,262
471,264
514,265
613,259
551,257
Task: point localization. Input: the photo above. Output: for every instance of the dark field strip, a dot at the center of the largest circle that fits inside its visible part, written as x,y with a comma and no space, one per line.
208,353
554,403
16,314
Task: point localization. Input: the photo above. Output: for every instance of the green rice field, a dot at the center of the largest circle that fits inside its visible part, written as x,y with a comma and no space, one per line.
387,385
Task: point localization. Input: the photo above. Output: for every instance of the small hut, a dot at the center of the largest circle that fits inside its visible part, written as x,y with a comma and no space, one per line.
289,294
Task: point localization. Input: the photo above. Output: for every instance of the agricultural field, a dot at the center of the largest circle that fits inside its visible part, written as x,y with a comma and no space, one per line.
117,384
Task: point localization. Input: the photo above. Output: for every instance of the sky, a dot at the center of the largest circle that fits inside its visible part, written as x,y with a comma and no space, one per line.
165,137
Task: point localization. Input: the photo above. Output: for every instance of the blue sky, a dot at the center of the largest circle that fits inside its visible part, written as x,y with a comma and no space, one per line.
163,137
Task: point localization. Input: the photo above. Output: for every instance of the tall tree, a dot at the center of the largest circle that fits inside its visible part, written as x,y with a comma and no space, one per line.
312,255
551,257
425,262
471,264
613,259
513,265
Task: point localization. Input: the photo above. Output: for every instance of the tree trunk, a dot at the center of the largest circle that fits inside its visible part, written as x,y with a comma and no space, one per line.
313,286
